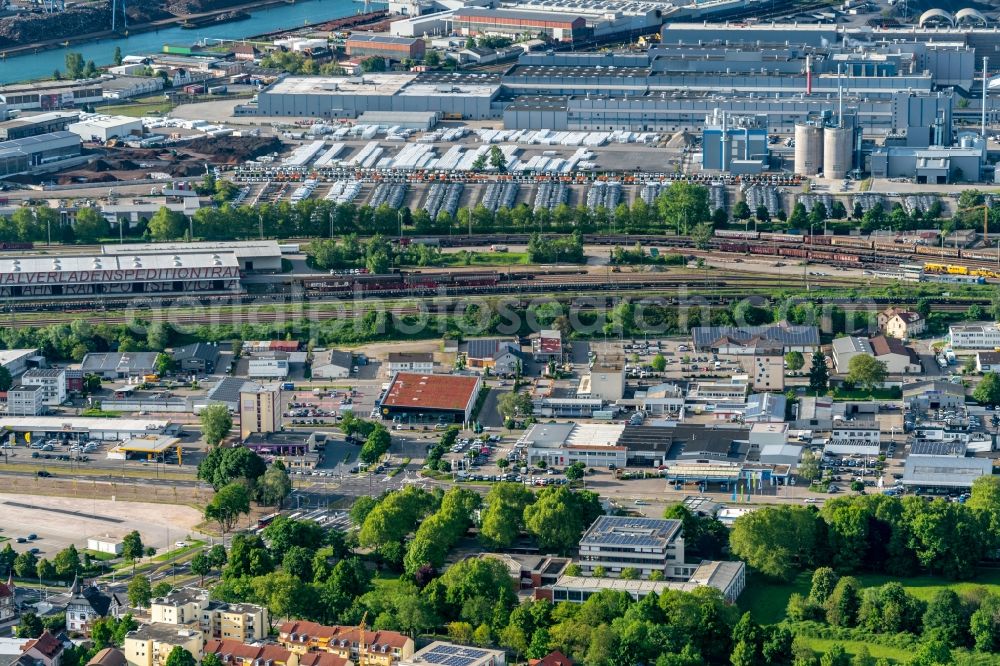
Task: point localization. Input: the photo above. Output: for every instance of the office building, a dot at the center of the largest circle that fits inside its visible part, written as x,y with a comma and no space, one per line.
974,336
26,401
260,410
626,542
51,380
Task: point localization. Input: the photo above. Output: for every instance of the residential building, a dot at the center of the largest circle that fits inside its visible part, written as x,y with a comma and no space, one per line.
846,348
119,365
727,577
260,410
52,381
332,364
197,358
733,340
606,382
418,362
193,607
8,598
626,542
272,366
554,658
46,650
423,398
441,653
987,361
371,648
974,336
501,355
902,324
110,656
855,437
898,358
88,603
547,346
26,401
151,644
235,653
933,394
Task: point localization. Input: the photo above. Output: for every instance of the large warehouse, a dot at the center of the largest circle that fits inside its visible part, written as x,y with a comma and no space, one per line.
419,398
467,96
38,153
385,46
252,256
40,276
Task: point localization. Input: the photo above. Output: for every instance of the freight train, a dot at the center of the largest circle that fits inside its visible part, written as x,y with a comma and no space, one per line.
403,283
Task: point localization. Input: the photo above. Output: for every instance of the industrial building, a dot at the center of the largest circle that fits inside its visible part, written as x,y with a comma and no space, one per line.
42,123
39,277
252,256
51,95
38,153
101,128
456,95
384,46
737,144
515,23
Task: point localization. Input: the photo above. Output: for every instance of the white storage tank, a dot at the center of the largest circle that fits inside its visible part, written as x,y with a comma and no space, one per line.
808,149
837,152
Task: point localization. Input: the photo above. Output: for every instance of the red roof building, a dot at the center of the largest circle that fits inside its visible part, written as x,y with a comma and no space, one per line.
554,658
422,398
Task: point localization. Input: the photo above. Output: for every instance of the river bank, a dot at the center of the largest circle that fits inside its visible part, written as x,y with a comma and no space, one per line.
269,17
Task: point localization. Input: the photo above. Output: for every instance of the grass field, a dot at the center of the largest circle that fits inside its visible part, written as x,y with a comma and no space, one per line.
177,552
767,601
145,106
821,645
99,556
484,259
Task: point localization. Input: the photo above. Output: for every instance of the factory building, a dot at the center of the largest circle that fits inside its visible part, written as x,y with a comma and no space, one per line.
37,276
385,46
516,23
252,256
101,128
42,123
38,153
466,96
935,165
51,95
737,144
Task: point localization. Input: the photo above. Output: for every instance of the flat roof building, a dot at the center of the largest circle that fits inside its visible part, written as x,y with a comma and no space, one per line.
727,577
559,26
385,46
75,427
442,653
252,256
425,397
38,153
930,471
119,365
42,123
616,543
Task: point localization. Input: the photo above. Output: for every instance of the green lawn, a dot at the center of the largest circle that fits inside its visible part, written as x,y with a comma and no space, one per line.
821,645
767,601
484,259
146,106
99,556
177,552
386,582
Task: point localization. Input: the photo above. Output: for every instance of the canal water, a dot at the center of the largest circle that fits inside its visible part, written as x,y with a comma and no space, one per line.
279,17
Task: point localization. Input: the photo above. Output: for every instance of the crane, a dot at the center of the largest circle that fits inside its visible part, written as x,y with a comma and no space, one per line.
362,649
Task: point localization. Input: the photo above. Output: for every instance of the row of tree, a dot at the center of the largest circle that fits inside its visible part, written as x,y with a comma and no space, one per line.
877,533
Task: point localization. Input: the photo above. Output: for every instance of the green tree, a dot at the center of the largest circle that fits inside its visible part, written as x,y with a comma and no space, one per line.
274,486
25,565
211,659
167,224
201,566
216,422
844,602
683,205
741,211
987,392
659,363
701,235
67,562
497,159
946,617
376,445
515,405
555,520
808,467
29,626
933,653
794,361
74,65
502,521
6,381
164,364
45,570
228,504
777,541
180,657
984,625
139,591
117,57
824,581
866,371
835,656
432,58
819,374
90,226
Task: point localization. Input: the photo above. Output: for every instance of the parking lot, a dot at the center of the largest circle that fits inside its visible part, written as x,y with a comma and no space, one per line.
58,522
